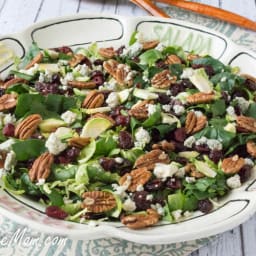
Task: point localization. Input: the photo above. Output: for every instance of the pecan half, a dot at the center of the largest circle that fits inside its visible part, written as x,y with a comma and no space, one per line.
110,66
41,167
149,159
192,171
76,59
108,52
37,59
98,201
123,75
200,97
140,109
172,59
246,123
251,148
140,220
12,82
163,80
94,99
233,164
191,56
82,85
149,44
27,127
194,123
79,142
138,176
164,145
7,101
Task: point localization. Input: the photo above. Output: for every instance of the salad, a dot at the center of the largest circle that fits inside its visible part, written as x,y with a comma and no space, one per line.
137,134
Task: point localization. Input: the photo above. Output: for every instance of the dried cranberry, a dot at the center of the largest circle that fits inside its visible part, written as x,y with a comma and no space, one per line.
116,111
205,205
215,155
136,59
154,185
180,134
8,130
125,140
98,62
238,110
56,212
124,167
187,84
122,120
94,216
179,146
177,88
56,78
158,200
173,183
46,88
208,69
138,85
161,64
140,199
119,51
250,84
63,49
2,92
72,153
163,98
181,160
225,97
240,93
97,77
155,135
245,172
68,156
202,148
107,163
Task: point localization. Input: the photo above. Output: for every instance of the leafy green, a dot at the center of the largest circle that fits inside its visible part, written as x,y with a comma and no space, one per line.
55,197
174,50
163,129
63,173
22,75
132,154
150,57
71,208
176,70
251,111
218,108
29,186
27,149
19,88
104,145
134,123
133,38
153,119
11,184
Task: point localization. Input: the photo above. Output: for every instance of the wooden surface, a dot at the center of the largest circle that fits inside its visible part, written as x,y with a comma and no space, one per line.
18,14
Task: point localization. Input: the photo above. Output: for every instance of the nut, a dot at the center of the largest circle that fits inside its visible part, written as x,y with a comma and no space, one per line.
172,59
82,85
191,170
165,146
149,160
98,201
233,164
249,77
251,148
191,57
149,44
123,76
163,80
200,97
79,142
7,101
94,99
37,59
76,59
41,167
246,123
140,109
194,123
110,66
138,177
107,52
140,220
27,127
12,82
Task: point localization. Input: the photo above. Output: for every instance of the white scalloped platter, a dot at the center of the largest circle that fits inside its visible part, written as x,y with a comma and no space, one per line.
81,30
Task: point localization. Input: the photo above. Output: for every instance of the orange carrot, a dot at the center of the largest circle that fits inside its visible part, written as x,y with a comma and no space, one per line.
148,6
214,12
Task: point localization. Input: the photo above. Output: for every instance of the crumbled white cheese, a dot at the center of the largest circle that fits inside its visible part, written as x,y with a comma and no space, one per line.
120,190
158,207
151,109
234,182
68,77
113,99
190,179
10,161
45,76
2,172
248,161
69,117
119,160
230,127
54,144
111,85
149,197
9,118
189,141
41,182
177,214
160,47
187,214
163,171
132,50
130,76
214,144
178,110
168,93
180,173
62,63
242,103
223,79
198,113
139,188
166,108
129,205
187,73
182,96
142,137
31,71
82,70
201,141
7,145
231,112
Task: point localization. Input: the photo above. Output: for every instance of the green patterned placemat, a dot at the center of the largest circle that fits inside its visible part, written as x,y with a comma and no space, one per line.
19,240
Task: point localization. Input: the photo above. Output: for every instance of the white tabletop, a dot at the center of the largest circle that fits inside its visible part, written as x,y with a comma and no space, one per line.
18,14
